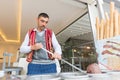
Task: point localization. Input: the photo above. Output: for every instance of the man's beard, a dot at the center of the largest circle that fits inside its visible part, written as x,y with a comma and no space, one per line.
42,27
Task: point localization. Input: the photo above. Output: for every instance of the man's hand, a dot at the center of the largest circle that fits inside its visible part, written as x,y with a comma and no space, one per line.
37,46
56,56
94,69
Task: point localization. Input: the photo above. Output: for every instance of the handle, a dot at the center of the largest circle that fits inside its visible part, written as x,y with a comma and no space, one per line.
66,62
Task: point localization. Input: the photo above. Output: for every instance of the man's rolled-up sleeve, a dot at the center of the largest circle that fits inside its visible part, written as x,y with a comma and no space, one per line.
56,45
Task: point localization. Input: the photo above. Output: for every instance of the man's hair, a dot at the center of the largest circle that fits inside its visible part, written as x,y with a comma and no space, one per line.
45,15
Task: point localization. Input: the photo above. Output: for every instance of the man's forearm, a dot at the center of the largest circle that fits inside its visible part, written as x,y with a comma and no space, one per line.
25,49
36,46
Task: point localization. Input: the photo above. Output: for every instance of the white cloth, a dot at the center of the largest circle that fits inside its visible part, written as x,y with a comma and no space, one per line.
58,66
23,63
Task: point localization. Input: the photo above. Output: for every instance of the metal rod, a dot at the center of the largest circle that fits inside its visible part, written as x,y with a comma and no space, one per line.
67,62
73,66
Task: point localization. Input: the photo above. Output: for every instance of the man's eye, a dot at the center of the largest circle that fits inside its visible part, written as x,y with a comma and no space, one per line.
46,21
42,21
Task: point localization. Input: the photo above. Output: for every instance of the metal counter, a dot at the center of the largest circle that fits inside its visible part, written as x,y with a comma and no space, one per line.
66,76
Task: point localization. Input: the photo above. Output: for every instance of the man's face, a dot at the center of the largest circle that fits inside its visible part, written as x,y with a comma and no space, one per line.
42,22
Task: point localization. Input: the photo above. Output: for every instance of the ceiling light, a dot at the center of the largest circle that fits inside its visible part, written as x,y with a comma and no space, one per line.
87,47
74,50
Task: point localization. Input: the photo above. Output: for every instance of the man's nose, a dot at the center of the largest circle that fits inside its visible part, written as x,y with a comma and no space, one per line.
44,24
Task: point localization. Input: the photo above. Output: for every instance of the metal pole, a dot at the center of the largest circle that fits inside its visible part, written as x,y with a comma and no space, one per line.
67,62
73,66
100,9
93,13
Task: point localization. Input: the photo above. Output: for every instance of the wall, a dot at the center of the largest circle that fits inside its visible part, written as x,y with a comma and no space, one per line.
8,47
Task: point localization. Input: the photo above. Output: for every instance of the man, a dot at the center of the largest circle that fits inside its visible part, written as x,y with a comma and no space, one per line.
35,40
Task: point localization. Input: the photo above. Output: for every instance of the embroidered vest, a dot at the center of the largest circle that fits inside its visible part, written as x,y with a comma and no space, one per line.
48,38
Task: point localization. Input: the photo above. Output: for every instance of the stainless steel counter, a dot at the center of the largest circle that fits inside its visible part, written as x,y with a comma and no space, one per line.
66,76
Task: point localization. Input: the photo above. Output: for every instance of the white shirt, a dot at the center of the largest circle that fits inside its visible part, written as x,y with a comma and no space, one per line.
26,49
